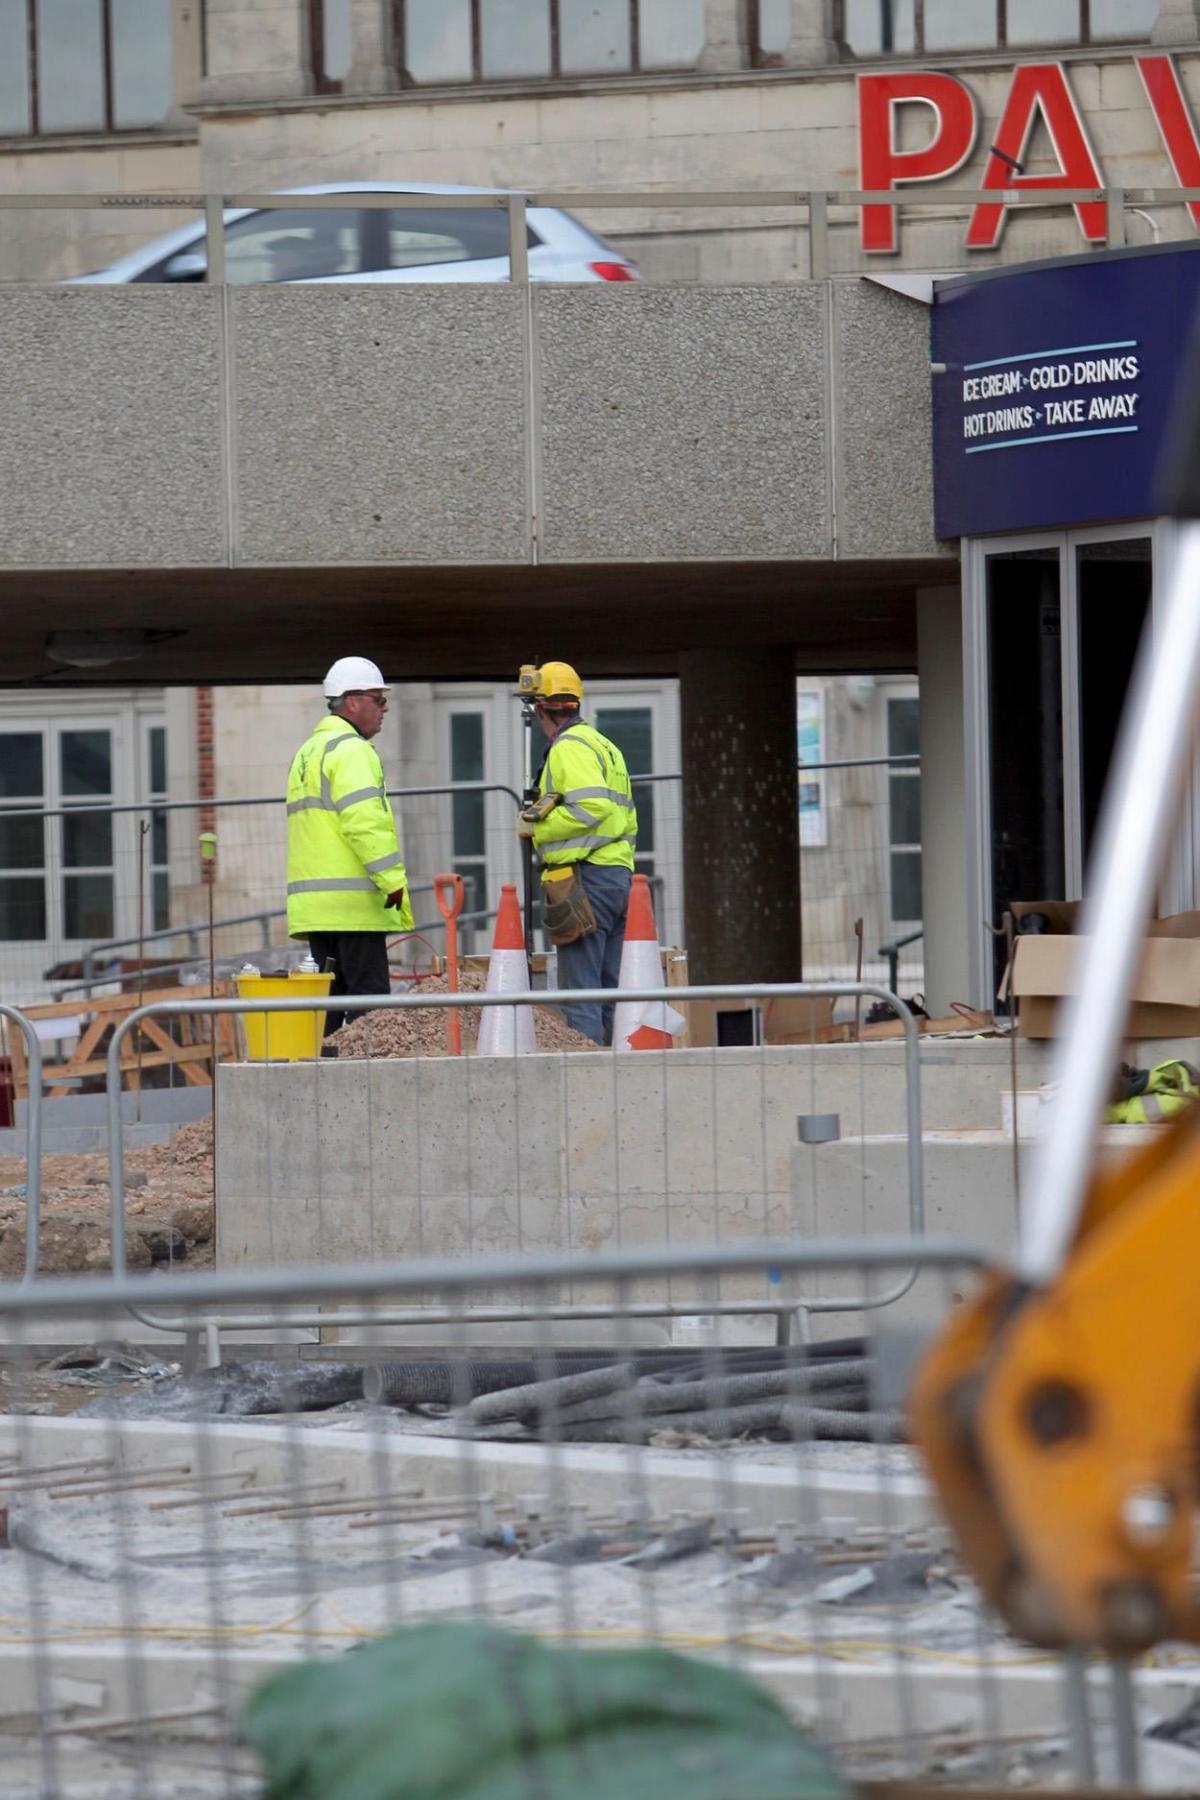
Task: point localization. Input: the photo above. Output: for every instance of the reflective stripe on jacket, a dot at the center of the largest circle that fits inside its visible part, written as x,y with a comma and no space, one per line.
595,820
344,857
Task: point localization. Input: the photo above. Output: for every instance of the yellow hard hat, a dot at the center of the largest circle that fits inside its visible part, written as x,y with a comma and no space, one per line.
553,681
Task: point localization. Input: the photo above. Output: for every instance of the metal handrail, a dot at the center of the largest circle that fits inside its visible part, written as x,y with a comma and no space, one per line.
28,807
33,1137
817,202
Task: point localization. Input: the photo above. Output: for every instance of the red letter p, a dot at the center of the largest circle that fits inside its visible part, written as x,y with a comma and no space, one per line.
882,166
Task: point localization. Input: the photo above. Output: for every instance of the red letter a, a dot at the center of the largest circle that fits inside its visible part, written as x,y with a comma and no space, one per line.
1039,86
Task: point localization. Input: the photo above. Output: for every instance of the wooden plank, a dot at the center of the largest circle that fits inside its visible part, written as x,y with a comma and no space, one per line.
151,1060
115,1003
176,1053
108,1010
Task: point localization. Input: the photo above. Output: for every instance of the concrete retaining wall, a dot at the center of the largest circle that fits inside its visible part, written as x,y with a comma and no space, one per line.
390,1159
339,1161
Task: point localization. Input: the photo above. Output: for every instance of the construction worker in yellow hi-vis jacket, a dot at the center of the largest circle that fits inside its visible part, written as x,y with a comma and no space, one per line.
584,828
346,886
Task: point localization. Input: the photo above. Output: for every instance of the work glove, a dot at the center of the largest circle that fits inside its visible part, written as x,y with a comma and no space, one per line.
396,898
533,814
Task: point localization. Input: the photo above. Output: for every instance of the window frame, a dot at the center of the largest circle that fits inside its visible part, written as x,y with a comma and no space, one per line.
477,76
108,126
1000,41
900,693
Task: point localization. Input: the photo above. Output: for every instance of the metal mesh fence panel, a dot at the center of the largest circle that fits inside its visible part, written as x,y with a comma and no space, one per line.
177,1535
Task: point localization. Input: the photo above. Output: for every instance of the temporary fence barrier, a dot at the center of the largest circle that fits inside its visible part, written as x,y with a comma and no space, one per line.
147,871
859,876
182,1538
12,1020
411,1154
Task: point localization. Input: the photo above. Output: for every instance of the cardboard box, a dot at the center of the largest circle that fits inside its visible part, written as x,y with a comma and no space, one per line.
748,1022
1165,1002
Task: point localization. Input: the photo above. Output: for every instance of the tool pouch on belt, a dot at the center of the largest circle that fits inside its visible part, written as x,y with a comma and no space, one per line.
566,910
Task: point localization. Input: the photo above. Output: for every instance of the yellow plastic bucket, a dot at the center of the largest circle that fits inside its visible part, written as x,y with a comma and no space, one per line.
283,1036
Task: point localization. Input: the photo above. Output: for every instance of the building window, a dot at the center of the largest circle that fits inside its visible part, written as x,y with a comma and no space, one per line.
84,65
810,749
71,878
158,853
88,887
631,729
904,810
867,28
22,840
468,837
442,41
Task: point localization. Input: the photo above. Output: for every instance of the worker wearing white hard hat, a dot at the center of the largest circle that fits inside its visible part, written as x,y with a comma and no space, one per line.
346,886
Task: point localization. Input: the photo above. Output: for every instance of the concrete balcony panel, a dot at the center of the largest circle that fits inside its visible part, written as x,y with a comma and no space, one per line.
883,468
111,450
380,424
683,422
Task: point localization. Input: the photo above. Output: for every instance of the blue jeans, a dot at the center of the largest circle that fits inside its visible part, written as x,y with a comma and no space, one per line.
594,961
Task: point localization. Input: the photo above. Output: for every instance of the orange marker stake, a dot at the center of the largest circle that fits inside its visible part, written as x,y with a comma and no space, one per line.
448,891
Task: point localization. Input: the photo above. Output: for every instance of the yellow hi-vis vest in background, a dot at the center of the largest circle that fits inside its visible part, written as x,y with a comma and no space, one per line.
595,820
1163,1092
344,857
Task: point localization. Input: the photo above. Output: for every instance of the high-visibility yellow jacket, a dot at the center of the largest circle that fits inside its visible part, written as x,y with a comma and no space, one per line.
1165,1091
596,820
344,857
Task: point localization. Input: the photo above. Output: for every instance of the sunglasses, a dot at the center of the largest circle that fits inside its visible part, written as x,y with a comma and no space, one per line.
380,699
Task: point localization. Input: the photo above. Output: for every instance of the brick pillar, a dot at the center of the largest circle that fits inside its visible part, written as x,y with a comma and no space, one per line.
1178,22
812,42
206,774
259,52
741,817
373,65
726,35
187,58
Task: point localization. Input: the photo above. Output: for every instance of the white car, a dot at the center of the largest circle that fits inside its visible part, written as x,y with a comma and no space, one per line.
360,243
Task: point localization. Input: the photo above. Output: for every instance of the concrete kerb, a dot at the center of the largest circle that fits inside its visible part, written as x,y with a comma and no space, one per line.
396,1002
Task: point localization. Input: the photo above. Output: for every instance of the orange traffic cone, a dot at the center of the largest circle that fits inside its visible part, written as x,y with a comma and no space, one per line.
642,1024
507,1030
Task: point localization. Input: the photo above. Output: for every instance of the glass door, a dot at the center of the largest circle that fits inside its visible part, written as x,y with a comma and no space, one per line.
1052,627
1026,841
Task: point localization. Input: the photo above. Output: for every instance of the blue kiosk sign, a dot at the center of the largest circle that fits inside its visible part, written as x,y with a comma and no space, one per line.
1052,388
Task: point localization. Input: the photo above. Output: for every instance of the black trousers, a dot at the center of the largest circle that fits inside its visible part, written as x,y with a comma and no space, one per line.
360,966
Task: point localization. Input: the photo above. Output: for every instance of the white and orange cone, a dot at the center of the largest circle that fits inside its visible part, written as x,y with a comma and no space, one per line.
642,1024
507,1030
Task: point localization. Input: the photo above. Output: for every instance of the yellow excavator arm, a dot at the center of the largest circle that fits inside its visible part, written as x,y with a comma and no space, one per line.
1061,1423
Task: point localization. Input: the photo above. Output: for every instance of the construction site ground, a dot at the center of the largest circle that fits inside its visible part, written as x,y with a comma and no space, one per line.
779,1556
169,1187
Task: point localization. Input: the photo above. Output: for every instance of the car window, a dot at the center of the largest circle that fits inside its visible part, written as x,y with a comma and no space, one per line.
291,245
413,236
283,245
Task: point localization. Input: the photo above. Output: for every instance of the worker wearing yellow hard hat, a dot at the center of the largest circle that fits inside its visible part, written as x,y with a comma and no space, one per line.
346,883
583,824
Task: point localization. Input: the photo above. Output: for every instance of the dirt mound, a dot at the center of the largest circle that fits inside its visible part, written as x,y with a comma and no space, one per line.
423,1031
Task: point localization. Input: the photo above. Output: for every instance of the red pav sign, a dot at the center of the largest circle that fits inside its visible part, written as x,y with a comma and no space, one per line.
1038,92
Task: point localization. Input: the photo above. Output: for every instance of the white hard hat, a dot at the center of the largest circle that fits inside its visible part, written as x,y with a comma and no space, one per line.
352,674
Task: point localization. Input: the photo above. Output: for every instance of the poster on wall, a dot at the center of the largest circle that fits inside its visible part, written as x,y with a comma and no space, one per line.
810,750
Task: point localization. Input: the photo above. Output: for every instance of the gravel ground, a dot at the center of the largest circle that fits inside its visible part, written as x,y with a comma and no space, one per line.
168,1206
424,1032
